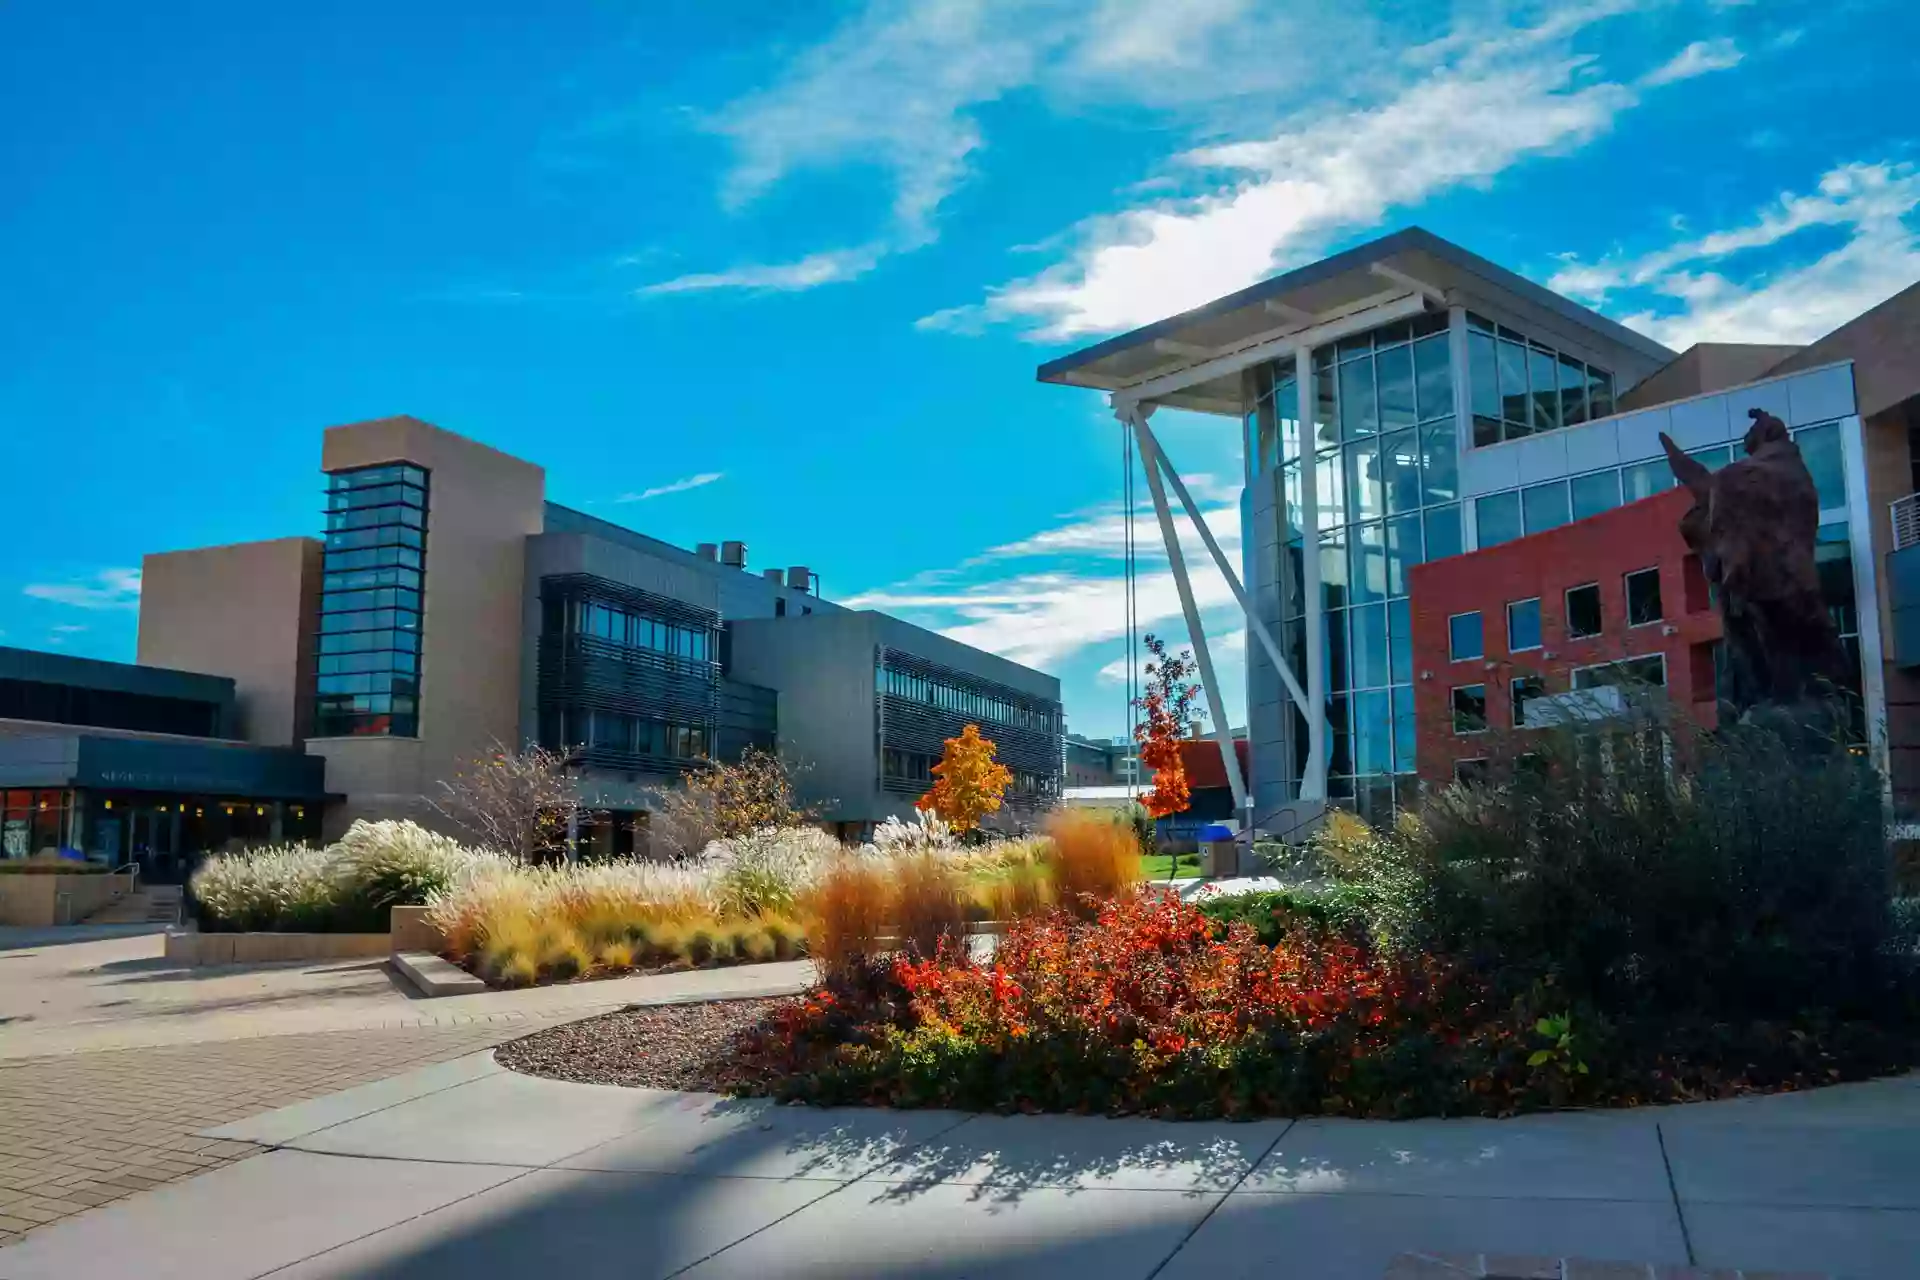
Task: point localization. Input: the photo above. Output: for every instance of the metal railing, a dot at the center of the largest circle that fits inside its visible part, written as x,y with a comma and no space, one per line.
1906,521
133,876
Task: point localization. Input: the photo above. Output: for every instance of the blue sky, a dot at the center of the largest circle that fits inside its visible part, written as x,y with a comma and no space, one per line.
783,272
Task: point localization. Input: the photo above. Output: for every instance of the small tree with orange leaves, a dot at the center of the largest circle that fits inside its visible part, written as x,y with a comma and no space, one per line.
968,782
1168,705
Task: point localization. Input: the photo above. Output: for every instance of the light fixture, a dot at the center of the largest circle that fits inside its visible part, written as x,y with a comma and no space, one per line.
259,812
109,804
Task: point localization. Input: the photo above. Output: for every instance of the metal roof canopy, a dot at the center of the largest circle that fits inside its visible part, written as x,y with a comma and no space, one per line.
1193,360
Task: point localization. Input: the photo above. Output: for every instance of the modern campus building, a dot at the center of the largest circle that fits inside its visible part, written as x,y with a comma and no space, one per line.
1456,503
446,607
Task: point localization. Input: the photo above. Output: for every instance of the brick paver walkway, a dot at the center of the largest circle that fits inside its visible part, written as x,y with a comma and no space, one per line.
81,1129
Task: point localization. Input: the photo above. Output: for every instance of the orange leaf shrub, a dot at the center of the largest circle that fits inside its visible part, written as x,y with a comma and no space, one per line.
1168,704
968,782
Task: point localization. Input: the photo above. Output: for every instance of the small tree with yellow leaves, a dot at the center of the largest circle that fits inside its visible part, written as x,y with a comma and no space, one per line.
968,782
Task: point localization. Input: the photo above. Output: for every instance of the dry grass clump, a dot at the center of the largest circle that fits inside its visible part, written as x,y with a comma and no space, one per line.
846,914
929,904
1092,857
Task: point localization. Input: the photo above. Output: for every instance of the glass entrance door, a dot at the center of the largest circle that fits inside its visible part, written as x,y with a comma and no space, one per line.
153,833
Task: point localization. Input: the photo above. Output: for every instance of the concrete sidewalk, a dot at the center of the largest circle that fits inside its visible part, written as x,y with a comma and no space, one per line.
465,1170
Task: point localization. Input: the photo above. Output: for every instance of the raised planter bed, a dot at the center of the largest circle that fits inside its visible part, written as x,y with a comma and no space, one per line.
268,948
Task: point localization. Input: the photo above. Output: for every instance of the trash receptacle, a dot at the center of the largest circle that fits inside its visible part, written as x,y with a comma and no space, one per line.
1217,857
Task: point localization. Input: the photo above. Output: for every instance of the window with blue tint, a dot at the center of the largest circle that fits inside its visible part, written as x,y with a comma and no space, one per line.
1333,570
1369,627
1433,378
1405,731
1443,533
1439,462
1599,394
1400,470
1326,430
1373,732
1291,495
1543,367
1820,449
1573,391
1595,493
1523,625
1366,497
1484,384
1394,369
1470,708
1545,506
1286,413
1339,671
1714,458
1368,543
368,643
1400,640
1403,552
1515,399
1465,640
1359,414
1498,518
1330,488
1644,479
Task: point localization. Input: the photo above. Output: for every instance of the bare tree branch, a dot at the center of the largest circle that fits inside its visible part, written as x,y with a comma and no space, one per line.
517,802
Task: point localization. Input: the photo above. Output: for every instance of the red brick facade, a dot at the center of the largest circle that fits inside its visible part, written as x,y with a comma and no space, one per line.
1600,550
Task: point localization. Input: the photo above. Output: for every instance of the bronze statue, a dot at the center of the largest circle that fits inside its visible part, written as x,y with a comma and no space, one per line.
1753,524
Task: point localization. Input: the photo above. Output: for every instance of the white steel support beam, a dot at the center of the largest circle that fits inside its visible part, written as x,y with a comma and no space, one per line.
1254,621
1313,779
1134,416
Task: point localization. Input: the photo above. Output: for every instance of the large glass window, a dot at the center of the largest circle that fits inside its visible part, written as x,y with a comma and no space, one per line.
1465,638
1643,597
1595,493
1470,708
980,704
1497,517
1519,386
367,679
1523,625
1583,611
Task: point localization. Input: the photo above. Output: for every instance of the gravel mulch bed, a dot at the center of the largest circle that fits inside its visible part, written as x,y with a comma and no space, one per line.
674,1046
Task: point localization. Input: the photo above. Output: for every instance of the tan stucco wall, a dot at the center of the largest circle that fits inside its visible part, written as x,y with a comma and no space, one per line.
481,507
243,611
1706,367
35,900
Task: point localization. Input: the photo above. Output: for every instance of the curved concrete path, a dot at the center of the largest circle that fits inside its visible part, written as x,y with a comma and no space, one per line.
466,1170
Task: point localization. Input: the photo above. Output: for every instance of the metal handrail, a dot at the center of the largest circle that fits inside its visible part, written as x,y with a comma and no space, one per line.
1905,514
133,875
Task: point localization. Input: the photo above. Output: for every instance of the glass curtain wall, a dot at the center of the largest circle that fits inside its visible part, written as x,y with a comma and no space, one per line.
1383,456
368,679
1520,387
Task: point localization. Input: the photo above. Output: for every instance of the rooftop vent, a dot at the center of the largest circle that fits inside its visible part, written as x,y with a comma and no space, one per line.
708,551
771,575
800,578
734,554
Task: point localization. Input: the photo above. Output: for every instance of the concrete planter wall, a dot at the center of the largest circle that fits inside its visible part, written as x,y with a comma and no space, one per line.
38,900
412,931
268,948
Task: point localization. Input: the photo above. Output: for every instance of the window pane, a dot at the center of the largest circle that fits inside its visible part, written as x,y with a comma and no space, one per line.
1400,640
1443,533
1573,391
1286,413
1483,378
1643,597
1394,368
1325,430
1403,552
1337,667
1369,547
1439,462
1546,389
1525,690
1514,398
1366,499
1644,479
1433,377
1464,640
1523,625
1599,394
1405,736
1333,570
1498,518
1400,470
1546,506
1372,733
1820,447
1330,490
1470,708
1369,627
1595,493
1359,415
1715,458
1583,612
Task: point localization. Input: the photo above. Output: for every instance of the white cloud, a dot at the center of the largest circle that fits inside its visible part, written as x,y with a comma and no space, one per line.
786,277
68,628
108,589
1226,639
1697,59
677,486
1689,297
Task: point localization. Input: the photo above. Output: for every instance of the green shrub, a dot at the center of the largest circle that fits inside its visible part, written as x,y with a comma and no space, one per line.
1276,914
1655,868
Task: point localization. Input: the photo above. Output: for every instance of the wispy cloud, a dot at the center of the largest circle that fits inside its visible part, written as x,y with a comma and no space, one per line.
1697,59
677,486
108,589
786,277
1686,295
